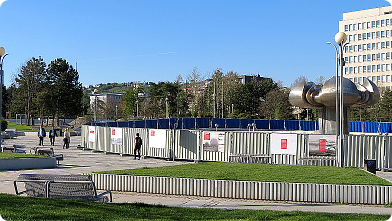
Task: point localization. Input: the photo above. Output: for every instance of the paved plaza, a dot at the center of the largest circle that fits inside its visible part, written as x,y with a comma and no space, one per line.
77,161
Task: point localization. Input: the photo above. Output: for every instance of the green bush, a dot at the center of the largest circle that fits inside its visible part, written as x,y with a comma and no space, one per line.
4,125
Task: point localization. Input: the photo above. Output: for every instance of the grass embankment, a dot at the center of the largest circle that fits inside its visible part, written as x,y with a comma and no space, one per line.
19,127
29,208
261,172
4,155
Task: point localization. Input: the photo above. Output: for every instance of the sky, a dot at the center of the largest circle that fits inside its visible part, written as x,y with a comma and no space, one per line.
158,40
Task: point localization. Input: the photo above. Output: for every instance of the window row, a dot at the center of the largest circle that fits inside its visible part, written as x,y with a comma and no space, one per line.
368,47
375,79
368,57
369,35
367,25
368,69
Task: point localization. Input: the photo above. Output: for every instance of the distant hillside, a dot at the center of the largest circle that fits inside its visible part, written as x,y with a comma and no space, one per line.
109,88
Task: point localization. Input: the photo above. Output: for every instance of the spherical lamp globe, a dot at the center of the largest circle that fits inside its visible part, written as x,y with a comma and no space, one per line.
2,51
340,37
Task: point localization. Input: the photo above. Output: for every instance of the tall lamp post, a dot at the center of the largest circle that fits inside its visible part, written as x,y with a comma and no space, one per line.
340,39
95,105
167,107
2,56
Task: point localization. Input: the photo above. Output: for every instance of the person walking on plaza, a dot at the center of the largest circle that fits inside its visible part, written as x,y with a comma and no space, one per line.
138,145
67,138
41,135
52,135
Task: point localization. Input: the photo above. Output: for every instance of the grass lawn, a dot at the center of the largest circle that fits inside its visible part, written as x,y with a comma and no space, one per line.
19,127
28,208
261,172
4,155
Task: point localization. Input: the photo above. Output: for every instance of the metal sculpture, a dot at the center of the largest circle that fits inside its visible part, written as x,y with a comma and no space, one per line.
309,95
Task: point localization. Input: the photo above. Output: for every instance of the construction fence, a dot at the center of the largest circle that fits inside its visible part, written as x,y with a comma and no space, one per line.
241,146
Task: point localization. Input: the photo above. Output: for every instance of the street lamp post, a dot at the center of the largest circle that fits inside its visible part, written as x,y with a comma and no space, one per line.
340,39
2,56
137,109
167,107
95,105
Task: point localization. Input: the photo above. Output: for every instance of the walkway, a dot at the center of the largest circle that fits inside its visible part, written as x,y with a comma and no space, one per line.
78,161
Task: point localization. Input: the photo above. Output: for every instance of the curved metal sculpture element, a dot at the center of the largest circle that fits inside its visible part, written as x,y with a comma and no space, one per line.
309,95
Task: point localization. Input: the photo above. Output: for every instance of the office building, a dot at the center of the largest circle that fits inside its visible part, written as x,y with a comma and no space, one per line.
369,52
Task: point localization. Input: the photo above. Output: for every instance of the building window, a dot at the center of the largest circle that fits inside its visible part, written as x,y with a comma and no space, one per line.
369,68
355,80
351,70
387,33
368,24
360,69
373,57
359,26
369,57
373,68
359,37
387,22
364,36
378,23
382,34
388,67
359,58
373,46
383,78
388,78
383,67
378,56
360,80
364,47
350,48
364,58
373,35
364,69
350,38
388,55
374,78
355,48
359,47
378,79
388,45
355,70
379,45
383,57
382,23
378,34
382,44
378,68
373,24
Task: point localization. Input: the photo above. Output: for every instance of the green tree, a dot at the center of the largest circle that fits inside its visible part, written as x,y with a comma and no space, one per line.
128,102
63,93
28,83
276,105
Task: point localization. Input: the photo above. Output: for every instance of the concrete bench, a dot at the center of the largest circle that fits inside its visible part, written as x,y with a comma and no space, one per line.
13,149
61,186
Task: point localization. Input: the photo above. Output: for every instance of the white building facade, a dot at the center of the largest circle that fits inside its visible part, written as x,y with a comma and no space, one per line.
369,52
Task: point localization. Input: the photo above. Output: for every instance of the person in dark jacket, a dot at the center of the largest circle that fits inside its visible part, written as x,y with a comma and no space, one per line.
41,135
137,145
52,135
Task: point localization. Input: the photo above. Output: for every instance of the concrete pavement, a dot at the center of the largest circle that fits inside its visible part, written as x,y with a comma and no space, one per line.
77,161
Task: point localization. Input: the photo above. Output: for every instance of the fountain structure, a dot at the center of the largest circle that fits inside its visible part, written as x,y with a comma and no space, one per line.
324,97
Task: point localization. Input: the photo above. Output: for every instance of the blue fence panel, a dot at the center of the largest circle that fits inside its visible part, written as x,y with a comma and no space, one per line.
163,124
123,124
355,126
292,124
153,124
203,122
262,124
370,127
232,123
175,123
309,125
384,127
111,124
140,124
245,122
100,124
188,123
276,124
221,122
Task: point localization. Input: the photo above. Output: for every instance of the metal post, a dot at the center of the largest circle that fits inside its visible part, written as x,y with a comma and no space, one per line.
167,108
2,56
341,106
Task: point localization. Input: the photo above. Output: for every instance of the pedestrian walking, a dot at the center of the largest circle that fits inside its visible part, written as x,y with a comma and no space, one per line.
67,138
41,135
52,135
137,145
